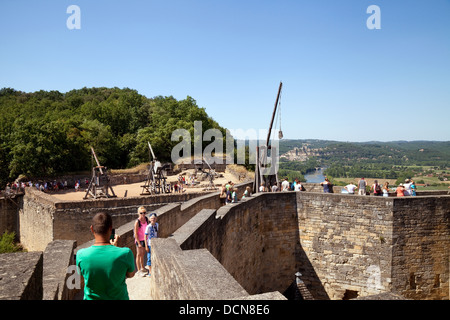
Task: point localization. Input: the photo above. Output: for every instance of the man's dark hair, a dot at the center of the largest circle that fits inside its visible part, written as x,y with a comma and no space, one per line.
101,223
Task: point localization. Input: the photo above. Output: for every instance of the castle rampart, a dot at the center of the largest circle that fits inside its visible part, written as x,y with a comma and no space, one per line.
345,246
369,245
256,240
44,218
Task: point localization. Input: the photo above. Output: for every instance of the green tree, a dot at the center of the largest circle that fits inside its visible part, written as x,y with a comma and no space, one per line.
47,132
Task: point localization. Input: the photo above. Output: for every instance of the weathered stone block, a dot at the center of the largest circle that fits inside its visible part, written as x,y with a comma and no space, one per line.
21,276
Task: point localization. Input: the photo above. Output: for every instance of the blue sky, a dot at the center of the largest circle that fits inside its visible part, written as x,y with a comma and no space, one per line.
341,80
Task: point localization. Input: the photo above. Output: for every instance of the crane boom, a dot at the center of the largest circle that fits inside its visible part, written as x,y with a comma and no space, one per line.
273,114
151,150
96,160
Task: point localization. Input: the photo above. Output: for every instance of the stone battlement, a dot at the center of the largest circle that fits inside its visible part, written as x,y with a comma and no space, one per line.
343,245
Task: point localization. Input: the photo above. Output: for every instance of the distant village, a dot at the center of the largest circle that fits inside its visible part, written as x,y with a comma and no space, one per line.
301,154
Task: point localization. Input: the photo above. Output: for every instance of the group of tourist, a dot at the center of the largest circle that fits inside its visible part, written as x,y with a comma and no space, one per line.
404,189
284,186
105,266
228,193
46,186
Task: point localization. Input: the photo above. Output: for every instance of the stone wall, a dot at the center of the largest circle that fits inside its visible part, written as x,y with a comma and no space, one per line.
58,257
256,240
182,273
346,244
189,274
353,245
43,218
39,275
420,248
189,166
21,276
36,216
9,208
170,217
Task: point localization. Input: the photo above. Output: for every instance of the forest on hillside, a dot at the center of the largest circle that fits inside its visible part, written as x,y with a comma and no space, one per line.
388,160
46,133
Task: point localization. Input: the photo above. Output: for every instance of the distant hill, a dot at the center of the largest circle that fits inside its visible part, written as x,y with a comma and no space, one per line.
388,160
423,153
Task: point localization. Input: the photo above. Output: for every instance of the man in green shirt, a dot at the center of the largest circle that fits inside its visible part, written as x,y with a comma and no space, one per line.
104,266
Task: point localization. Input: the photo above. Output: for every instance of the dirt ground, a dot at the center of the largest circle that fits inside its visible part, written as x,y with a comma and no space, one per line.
135,189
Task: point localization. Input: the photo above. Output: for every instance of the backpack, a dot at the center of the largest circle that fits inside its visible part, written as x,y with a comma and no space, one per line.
377,188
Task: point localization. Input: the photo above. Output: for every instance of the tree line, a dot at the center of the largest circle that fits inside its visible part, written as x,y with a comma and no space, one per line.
47,133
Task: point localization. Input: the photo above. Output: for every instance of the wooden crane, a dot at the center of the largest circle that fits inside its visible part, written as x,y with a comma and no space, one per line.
266,173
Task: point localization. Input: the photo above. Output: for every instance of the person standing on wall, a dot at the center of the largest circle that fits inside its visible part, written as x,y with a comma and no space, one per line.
413,188
407,186
400,190
326,186
150,233
285,185
350,188
139,237
376,187
386,189
299,186
362,187
104,266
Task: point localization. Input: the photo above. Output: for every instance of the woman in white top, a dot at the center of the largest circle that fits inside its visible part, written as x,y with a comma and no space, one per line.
407,186
386,189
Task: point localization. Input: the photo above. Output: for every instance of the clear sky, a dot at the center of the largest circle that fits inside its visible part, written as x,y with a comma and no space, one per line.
341,80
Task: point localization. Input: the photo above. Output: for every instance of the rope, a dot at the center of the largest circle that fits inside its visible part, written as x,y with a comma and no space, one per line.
279,106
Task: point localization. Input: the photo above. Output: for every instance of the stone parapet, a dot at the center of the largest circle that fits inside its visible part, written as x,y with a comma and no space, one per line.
189,274
21,276
58,257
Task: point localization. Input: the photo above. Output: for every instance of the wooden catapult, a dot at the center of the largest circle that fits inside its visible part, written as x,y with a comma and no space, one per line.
99,186
266,172
210,175
156,179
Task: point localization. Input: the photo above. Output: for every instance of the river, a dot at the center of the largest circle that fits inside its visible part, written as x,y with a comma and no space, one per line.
315,176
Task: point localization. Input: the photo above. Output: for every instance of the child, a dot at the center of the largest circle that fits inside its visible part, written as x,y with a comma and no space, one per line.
228,197
247,193
150,232
234,196
413,188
